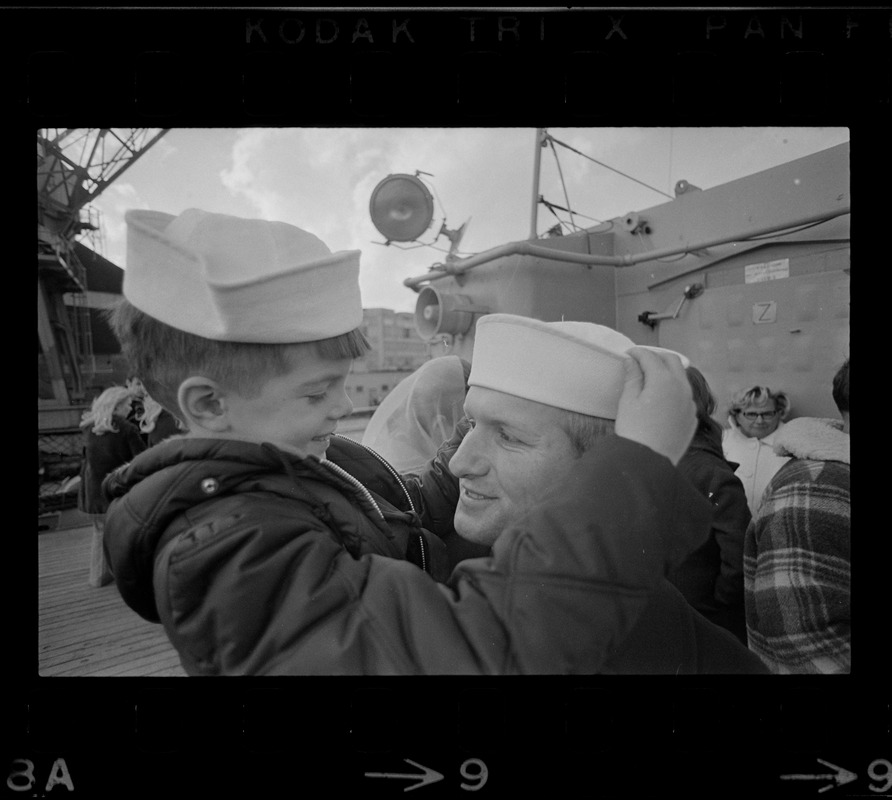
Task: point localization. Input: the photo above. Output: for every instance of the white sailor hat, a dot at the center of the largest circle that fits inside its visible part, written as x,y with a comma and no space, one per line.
577,366
240,280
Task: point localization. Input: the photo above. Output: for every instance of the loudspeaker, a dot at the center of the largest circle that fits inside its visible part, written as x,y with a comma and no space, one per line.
437,313
401,208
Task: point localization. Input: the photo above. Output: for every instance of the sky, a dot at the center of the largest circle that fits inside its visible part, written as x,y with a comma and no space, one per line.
322,179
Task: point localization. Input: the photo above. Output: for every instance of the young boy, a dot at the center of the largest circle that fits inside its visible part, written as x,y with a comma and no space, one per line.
266,544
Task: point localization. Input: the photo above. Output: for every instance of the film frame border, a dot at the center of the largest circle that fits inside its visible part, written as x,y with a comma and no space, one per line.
465,67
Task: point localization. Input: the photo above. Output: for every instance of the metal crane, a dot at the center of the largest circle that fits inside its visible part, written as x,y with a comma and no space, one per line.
74,166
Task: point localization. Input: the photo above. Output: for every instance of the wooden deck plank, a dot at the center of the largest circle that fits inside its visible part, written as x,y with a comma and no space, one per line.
128,661
104,652
88,631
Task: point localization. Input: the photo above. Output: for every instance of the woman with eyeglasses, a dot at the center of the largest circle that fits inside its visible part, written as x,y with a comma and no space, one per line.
756,415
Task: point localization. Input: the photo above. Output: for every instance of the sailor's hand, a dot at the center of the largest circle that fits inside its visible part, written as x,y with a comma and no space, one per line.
657,407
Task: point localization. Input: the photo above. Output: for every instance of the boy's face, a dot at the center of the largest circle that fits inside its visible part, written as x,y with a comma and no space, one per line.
299,409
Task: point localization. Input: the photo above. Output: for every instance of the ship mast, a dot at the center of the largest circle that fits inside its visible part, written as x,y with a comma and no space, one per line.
537,162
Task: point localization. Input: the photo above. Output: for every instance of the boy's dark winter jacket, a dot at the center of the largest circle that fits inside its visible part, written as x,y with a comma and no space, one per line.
263,563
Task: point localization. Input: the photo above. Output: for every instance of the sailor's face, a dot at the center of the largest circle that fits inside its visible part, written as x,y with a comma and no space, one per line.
506,465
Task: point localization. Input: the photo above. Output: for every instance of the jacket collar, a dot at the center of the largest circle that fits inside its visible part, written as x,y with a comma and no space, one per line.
767,440
814,438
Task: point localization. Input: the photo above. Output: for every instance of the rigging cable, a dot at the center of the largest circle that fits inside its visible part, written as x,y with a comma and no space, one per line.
439,202
554,141
551,206
571,225
561,173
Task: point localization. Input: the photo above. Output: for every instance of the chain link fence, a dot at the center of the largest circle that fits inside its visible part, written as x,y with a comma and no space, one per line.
59,457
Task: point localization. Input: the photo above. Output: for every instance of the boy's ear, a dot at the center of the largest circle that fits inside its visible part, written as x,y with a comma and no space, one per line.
203,404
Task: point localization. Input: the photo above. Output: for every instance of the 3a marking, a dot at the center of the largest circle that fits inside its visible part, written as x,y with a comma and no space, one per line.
23,780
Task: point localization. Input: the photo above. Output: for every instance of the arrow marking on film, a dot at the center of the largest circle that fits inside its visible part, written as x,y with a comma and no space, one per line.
839,778
430,775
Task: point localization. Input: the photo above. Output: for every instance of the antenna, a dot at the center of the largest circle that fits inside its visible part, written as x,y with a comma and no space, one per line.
454,237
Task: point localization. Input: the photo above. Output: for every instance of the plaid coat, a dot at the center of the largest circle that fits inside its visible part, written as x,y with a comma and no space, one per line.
797,558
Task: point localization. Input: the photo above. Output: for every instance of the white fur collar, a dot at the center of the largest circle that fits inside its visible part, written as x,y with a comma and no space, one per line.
815,438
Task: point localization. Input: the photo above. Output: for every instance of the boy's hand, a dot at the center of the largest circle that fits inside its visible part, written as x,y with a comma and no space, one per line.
656,407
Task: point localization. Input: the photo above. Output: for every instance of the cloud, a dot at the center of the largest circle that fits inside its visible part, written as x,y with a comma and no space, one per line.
248,173
112,204
163,148
322,179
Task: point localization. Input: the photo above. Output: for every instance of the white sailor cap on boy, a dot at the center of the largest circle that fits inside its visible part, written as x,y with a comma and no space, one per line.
239,280
577,366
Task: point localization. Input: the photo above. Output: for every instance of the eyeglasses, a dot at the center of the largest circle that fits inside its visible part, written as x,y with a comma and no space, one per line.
753,415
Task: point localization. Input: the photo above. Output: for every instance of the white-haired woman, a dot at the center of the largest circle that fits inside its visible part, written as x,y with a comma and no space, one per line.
109,441
755,416
157,423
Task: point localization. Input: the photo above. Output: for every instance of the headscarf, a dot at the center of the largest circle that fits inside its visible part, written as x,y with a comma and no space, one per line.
152,410
101,417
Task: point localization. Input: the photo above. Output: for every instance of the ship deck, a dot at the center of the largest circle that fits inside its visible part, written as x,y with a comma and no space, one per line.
84,630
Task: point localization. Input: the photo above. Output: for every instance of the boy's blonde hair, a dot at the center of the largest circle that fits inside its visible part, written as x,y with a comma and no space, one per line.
164,356
102,412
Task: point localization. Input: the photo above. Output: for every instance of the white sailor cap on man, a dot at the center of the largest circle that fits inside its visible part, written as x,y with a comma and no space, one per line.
241,280
577,366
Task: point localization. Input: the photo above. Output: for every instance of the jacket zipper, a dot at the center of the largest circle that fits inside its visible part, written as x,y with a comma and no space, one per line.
402,485
389,467
347,476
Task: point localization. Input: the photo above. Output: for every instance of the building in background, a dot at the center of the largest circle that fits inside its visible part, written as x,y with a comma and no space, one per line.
395,342
397,350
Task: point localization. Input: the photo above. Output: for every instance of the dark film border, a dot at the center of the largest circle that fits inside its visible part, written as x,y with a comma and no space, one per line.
623,737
